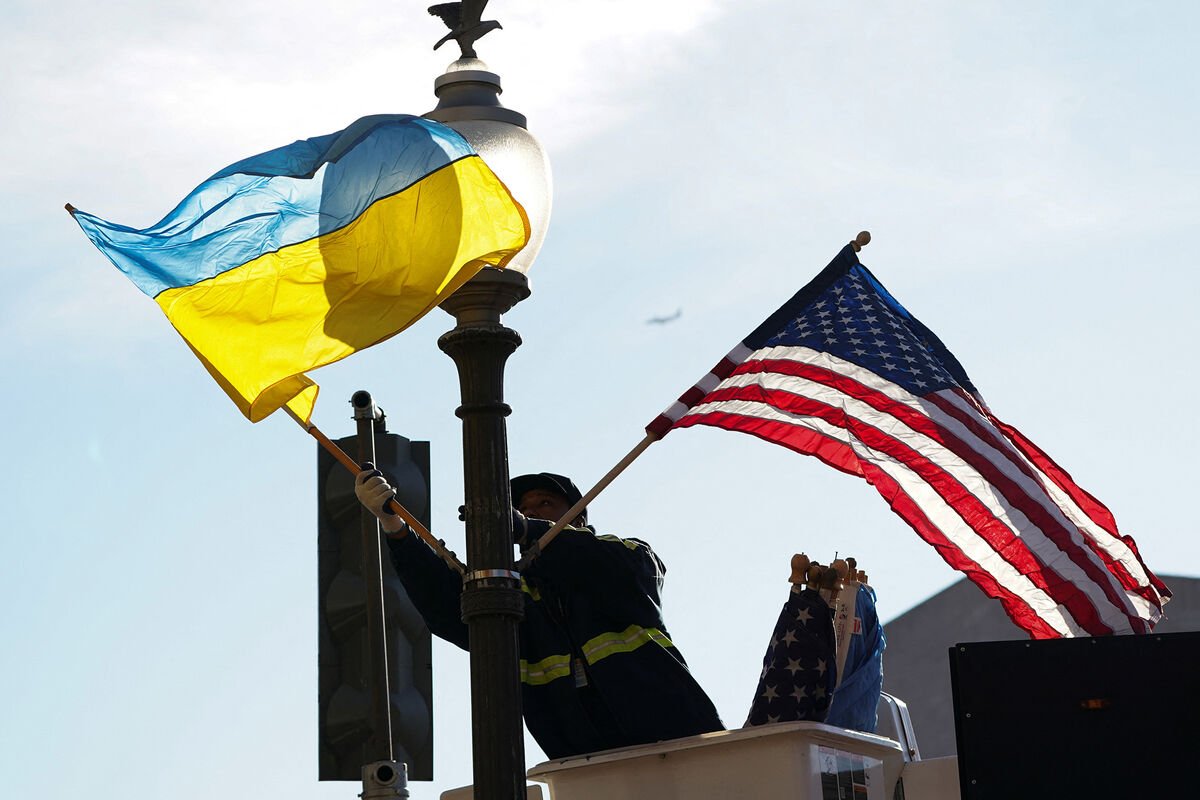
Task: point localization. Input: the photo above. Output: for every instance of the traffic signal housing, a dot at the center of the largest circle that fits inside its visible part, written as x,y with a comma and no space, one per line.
346,739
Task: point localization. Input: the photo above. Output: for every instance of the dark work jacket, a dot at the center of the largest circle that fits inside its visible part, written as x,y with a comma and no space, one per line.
598,669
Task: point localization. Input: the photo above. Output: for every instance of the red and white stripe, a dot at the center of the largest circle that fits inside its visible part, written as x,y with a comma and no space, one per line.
666,420
992,504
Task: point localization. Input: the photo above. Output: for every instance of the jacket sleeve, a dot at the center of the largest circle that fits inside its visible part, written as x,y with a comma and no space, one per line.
432,585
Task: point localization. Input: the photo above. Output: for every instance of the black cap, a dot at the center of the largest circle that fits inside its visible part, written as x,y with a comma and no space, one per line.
547,481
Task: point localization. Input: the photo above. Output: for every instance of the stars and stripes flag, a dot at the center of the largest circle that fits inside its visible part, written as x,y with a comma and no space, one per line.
844,372
798,676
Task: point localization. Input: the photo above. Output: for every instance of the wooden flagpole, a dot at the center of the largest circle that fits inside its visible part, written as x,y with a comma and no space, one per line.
392,505
547,537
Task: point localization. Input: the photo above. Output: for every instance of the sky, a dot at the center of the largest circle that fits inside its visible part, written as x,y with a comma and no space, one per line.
1027,170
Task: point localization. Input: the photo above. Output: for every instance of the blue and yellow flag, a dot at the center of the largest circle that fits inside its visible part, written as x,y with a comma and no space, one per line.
300,256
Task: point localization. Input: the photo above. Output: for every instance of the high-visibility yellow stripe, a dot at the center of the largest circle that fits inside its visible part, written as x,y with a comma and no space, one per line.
595,650
546,670
628,640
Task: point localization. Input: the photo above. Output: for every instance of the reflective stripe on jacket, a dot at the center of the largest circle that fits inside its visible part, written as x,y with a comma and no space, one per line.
605,644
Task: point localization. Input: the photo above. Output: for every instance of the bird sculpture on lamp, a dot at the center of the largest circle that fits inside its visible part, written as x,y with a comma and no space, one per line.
465,24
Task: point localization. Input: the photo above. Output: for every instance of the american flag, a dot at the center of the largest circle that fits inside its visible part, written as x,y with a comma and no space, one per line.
845,373
798,676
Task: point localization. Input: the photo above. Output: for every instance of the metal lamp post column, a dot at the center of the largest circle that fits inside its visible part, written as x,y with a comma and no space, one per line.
492,604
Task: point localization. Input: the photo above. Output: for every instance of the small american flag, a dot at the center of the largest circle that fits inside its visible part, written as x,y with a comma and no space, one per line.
798,674
845,373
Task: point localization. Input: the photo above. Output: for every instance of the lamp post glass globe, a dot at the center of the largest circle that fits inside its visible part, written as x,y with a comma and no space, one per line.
469,102
518,159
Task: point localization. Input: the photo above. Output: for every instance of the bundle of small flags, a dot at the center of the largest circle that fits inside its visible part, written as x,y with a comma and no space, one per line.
825,659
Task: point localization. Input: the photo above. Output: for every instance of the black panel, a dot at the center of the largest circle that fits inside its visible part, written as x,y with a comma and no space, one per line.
1115,716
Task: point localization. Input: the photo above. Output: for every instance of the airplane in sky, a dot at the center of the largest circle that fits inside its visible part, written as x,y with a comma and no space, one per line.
665,320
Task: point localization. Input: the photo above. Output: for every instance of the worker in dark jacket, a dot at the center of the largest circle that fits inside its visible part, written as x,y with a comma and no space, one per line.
598,668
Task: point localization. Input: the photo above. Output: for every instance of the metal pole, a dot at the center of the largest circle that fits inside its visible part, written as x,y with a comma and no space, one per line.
492,604
367,416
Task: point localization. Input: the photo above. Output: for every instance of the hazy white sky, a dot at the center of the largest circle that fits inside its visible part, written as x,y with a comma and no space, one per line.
1028,171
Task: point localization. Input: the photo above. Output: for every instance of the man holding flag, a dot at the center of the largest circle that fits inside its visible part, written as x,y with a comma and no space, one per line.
598,668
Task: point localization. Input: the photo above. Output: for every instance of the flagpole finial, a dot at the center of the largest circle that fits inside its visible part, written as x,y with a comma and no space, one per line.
862,240
800,563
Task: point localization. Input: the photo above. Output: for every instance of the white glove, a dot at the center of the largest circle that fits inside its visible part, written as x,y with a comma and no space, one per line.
373,491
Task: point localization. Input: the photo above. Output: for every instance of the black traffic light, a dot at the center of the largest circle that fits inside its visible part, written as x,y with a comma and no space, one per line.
346,740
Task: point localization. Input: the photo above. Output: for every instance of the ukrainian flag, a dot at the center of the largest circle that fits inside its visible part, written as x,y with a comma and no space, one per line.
300,256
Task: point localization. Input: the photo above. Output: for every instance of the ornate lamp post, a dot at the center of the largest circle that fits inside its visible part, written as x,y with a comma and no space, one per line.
492,605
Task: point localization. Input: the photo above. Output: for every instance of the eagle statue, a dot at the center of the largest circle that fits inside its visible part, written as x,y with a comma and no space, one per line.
463,20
